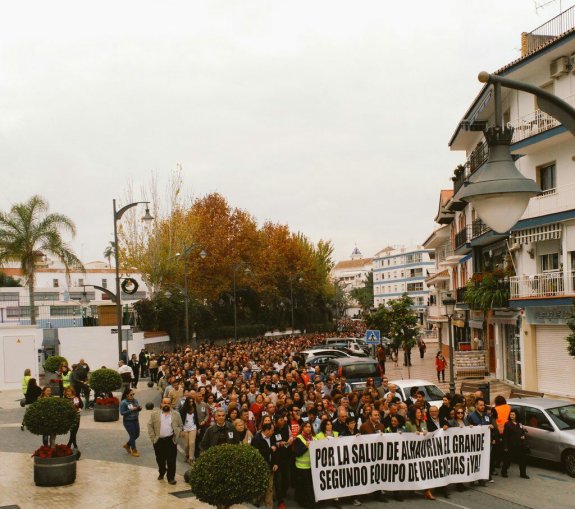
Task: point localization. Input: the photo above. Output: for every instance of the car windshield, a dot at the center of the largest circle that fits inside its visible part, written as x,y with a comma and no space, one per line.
563,416
432,393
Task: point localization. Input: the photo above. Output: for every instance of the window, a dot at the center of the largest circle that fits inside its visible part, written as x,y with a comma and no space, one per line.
80,282
45,296
549,262
416,273
535,418
65,311
9,296
414,287
546,177
55,283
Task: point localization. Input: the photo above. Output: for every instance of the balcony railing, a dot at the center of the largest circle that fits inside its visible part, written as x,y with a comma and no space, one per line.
535,122
477,158
551,201
548,31
462,237
547,284
443,252
478,228
460,294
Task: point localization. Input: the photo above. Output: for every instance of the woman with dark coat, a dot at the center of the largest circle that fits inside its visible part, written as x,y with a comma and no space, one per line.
514,445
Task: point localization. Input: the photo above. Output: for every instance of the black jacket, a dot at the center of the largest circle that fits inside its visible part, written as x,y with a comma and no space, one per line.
216,435
260,443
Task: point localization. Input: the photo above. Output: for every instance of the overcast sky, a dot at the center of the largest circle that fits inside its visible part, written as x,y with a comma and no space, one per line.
330,116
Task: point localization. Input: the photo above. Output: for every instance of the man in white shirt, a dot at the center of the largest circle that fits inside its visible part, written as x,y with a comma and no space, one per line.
126,373
164,429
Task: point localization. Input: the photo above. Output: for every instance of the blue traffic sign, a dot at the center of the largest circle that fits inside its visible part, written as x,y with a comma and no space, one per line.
372,337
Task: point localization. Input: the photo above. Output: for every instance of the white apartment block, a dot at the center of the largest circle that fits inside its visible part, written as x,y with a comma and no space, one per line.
352,274
402,270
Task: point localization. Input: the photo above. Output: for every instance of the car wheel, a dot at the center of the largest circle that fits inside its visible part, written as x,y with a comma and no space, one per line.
569,462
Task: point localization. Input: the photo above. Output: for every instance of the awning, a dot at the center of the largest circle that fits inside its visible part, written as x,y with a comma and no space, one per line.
537,234
458,323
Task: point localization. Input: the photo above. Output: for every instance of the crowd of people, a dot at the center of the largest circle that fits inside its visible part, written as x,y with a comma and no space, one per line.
261,393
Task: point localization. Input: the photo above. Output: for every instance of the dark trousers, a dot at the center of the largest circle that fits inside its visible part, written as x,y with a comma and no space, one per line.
166,452
133,429
304,494
143,370
83,389
73,434
154,374
135,379
440,375
516,455
282,481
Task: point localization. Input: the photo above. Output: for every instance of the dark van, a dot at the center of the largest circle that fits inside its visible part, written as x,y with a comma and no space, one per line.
356,370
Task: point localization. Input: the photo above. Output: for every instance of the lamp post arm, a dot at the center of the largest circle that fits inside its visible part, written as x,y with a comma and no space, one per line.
110,294
119,213
547,102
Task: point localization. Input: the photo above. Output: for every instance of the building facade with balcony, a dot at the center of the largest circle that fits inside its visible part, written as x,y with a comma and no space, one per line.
526,339
60,301
403,270
351,274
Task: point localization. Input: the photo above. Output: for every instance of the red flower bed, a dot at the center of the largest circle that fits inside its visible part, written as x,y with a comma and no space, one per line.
107,401
56,452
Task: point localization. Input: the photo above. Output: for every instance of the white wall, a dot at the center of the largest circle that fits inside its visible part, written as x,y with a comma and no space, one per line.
18,350
96,345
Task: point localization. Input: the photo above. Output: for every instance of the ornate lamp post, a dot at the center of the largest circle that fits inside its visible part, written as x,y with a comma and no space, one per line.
117,216
449,304
185,254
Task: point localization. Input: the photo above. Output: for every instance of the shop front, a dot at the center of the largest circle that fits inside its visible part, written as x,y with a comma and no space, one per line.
507,346
555,367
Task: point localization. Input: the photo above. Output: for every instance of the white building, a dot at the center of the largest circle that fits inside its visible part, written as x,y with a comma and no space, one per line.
58,297
402,270
352,274
526,341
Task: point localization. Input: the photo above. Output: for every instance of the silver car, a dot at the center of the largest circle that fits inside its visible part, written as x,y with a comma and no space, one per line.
550,425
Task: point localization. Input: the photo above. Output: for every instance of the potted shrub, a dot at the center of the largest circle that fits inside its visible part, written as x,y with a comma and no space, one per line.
54,465
52,376
103,382
214,482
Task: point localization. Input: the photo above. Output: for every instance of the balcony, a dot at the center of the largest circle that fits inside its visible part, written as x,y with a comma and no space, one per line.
547,284
478,228
548,31
551,201
536,122
460,295
462,237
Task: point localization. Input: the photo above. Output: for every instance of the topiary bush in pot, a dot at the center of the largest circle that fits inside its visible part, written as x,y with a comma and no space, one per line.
52,376
103,381
53,363
54,465
214,481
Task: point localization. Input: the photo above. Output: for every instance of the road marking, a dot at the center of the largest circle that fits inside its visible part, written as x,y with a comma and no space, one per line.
445,501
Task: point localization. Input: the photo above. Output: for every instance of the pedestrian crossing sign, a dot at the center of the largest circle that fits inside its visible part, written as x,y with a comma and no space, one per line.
372,337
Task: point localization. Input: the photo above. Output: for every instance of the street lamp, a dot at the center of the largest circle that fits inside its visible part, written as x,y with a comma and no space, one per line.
498,191
449,304
247,271
291,280
147,218
186,252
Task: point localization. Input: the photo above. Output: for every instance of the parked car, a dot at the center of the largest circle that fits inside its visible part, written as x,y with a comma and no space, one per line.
344,347
315,352
433,394
354,344
356,370
550,425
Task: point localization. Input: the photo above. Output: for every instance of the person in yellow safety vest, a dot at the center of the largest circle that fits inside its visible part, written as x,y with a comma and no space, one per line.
25,380
327,432
65,373
304,485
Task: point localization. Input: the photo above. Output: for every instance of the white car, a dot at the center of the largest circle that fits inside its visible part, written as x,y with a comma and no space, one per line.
433,394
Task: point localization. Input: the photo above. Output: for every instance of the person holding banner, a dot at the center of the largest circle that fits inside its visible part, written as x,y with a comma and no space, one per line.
371,426
417,424
327,432
304,494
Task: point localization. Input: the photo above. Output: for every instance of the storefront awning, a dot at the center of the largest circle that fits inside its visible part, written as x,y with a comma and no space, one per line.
537,234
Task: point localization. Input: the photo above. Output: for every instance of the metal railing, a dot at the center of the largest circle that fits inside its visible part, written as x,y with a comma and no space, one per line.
549,30
547,284
443,253
477,158
462,237
478,228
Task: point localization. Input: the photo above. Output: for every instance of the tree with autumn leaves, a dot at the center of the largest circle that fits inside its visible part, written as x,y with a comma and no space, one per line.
280,263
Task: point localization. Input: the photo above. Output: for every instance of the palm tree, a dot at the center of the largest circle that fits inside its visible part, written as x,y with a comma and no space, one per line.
110,251
27,232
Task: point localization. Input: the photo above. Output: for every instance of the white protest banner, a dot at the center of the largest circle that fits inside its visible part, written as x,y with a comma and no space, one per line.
398,461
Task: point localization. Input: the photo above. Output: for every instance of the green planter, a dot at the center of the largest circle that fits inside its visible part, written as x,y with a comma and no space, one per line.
106,413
